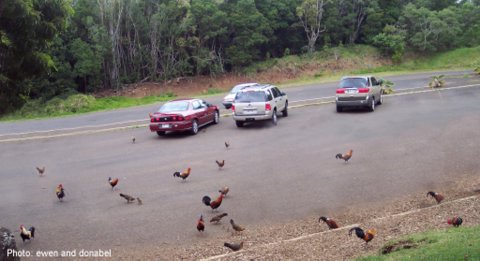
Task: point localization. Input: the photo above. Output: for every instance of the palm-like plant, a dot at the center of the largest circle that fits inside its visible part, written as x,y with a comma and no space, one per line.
437,81
387,87
477,70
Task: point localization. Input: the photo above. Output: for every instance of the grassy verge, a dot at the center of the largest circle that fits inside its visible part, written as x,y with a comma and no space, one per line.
452,244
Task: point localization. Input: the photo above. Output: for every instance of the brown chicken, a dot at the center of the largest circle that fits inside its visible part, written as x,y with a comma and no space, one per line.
220,163
236,227
234,247
365,236
133,140
184,175
40,171
27,234
112,182
200,224
438,197
456,221
213,204
345,156
127,197
330,222
224,190
227,144
60,192
217,218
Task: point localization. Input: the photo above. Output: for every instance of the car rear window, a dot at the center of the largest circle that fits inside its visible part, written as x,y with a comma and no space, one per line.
353,83
250,96
174,106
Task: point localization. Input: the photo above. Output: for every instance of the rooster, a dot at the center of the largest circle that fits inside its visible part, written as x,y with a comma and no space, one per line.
220,163
217,218
60,192
224,190
184,175
113,182
234,247
236,227
330,222
127,197
213,204
40,171
345,156
200,224
438,197
227,144
367,237
456,221
27,234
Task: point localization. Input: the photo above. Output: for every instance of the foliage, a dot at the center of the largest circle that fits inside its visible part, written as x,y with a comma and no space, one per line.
451,244
392,42
437,81
477,70
387,87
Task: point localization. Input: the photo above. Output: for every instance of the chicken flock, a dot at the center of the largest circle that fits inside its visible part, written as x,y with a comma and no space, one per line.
215,202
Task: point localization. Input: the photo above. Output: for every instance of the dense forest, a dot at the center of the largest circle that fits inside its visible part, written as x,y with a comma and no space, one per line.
52,48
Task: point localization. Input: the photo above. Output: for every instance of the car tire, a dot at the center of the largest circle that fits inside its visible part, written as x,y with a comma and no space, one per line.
216,117
274,117
161,133
339,108
239,123
285,111
371,107
194,129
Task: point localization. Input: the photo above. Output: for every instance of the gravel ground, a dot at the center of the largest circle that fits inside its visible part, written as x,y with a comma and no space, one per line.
308,239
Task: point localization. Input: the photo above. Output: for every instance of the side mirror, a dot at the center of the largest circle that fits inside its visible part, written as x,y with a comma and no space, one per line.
380,82
283,94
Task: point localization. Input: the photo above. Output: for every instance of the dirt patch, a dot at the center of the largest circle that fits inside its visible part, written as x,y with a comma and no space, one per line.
197,85
407,244
307,239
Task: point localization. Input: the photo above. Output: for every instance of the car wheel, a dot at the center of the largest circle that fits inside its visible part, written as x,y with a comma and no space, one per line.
161,133
285,111
194,127
372,105
239,123
381,99
216,117
339,108
274,117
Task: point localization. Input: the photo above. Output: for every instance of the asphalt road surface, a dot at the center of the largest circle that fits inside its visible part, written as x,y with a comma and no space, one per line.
410,144
137,114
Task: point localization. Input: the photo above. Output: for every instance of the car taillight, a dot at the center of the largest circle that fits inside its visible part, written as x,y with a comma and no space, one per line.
233,107
268,107
363,90
339,91
180,118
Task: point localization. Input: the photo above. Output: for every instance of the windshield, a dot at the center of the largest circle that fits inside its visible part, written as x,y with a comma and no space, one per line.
174,106
236,88
353,83
250,96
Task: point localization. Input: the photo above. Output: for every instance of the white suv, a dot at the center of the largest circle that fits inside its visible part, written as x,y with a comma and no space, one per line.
259,102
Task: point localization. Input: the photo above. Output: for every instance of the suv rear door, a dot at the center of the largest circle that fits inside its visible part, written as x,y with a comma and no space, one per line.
279,99
251,102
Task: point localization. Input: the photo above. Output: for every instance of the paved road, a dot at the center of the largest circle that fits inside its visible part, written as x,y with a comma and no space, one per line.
410,144
107,118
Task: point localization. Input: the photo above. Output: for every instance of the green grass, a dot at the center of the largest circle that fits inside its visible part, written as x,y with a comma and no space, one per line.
461,243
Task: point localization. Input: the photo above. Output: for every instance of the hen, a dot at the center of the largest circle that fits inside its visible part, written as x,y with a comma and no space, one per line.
40,171
127,197
184,175
330,222
220,163
213,204
366,236
236,227
113,182
217,218
60,192
224,190
456,221
438,197
345,156
200,224
27,234
234,247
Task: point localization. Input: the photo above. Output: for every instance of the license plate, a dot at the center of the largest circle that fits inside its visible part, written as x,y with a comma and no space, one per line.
165,126
351,91
249,112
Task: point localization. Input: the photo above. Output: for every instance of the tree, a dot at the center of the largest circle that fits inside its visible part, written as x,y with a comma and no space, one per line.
391,41
310,13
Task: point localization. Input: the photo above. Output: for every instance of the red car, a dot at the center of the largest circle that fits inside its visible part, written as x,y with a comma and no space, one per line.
183,115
